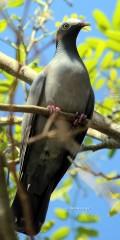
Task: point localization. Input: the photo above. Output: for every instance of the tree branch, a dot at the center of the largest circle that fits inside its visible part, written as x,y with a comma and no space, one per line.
104,145
4,121
6,223
11,66
98,122
86,168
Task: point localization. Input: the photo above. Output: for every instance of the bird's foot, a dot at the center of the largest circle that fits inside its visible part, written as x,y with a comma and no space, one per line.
53,109
80,119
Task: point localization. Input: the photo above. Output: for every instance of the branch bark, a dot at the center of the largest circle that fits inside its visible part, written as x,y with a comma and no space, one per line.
5,121
6,224
98,122
11,66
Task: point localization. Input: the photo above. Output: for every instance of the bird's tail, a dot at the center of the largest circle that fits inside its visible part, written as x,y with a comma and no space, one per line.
32,222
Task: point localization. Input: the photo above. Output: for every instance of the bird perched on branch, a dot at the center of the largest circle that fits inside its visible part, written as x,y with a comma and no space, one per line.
63,85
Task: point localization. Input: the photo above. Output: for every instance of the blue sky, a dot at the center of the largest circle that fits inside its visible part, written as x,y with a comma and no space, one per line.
108,227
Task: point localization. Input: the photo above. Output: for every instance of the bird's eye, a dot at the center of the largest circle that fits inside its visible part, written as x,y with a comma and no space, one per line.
65,26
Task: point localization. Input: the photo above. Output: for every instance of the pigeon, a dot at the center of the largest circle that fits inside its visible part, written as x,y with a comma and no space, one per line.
64,85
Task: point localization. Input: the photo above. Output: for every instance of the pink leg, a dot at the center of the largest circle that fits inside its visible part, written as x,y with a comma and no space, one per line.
53,109
79,119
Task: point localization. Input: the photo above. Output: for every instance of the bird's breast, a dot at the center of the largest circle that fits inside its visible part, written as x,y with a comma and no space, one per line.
67,86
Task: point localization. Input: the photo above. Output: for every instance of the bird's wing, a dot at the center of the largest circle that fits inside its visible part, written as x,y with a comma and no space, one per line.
90,105
34,97
79,138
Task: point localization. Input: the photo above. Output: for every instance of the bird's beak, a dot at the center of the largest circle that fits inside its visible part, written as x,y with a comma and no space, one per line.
83,24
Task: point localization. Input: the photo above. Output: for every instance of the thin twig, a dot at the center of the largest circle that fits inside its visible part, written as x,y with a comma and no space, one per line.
89,170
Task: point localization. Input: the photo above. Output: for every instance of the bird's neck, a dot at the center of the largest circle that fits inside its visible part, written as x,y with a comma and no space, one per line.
67,46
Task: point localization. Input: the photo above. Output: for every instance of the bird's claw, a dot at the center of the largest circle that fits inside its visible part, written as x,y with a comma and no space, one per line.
53,109
80,119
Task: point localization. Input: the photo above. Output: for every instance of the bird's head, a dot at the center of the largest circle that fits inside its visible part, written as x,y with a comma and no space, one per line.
70,29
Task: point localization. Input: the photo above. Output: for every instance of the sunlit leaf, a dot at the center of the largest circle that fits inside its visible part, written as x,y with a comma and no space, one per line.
99,83
114,45
116,63
57,24
59,193
91,64
101,19
111,153
4,89
114,35
61,233
84,50
87,218
17,133
66,197
83,237
15,3
94,42
106,62
61,213
116,16
3,25
89,232
99,50
115,195
109,103
47,226
113,74
74,15
115,209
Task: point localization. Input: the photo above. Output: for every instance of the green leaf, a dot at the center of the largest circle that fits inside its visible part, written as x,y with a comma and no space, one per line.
8,76
15,3
115,35
94,42
66,197
47,226
113,75
114,45
84,50
3,25
107,60
109,103
115,195
61,233
4,89
99,50
116,63
115,209
74,15
111,153
61,213
87,218
116,16
88,140
59,193
83,237
91,64
101,20
17,132
99,83
82,231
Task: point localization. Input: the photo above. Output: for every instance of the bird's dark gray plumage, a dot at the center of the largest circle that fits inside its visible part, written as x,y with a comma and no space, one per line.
64,83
